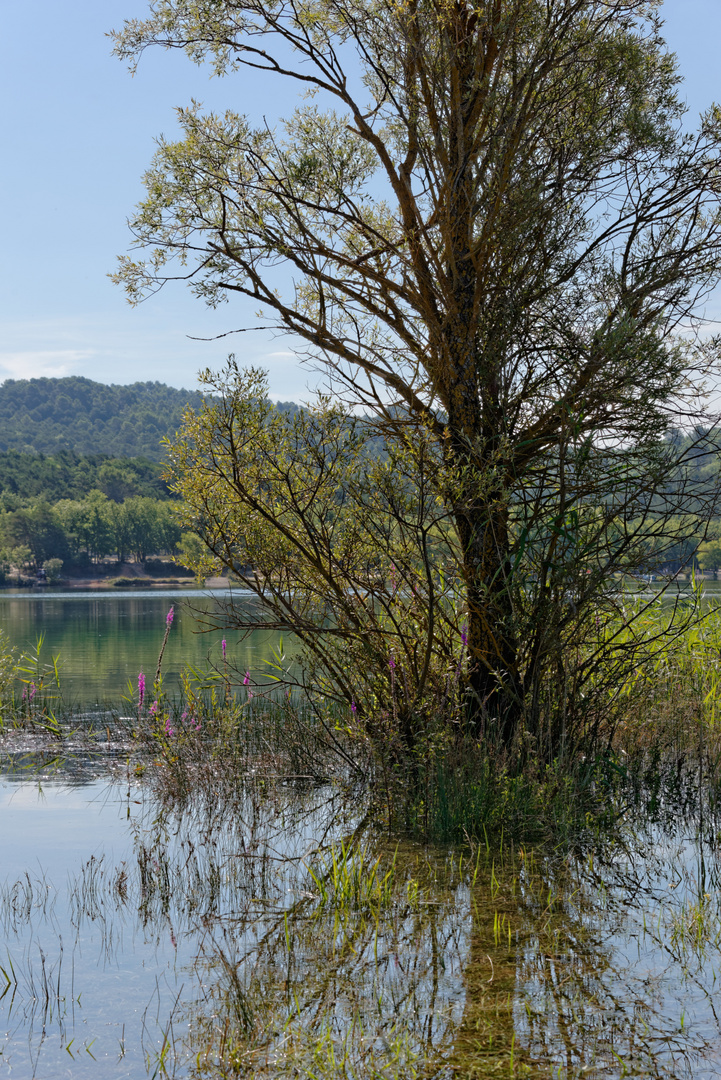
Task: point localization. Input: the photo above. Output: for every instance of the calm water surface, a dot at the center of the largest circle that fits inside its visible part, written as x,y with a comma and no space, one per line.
134,933
104,639
93,971
101,984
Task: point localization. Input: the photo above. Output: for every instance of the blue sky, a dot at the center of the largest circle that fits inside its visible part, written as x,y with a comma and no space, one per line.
77,133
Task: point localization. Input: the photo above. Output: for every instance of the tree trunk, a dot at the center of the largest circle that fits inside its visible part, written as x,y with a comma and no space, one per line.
493,699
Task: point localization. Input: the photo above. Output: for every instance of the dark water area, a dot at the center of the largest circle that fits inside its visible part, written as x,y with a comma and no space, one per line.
104,639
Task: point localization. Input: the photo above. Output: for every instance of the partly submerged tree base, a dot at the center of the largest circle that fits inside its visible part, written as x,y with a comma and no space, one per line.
658,726
463,791
487,233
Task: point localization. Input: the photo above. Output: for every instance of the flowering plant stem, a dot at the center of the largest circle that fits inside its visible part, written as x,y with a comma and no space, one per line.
168,624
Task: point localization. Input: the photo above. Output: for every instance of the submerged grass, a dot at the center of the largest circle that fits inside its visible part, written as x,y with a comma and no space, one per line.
351,879
362,958
501,967
312,945
664,715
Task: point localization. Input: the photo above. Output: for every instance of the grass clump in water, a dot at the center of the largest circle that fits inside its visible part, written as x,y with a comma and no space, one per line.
350,879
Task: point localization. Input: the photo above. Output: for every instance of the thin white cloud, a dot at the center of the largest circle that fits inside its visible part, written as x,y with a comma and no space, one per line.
47,363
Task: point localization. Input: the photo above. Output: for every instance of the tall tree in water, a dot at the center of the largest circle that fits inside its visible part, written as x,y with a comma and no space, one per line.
497,230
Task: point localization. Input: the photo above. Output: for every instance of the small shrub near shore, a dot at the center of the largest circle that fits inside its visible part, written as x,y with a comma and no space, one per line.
141,582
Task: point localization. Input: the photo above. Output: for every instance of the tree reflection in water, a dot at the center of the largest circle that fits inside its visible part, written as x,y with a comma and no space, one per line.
351,957
319,949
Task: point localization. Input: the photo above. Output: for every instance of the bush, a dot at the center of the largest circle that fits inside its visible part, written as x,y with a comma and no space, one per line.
52,568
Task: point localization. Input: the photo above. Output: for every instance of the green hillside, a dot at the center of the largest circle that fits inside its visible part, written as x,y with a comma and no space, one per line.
67,475
85,417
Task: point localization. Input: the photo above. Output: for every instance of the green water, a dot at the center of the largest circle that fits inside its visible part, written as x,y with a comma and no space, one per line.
104,639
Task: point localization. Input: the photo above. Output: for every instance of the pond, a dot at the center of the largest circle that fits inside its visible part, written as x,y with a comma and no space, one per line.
104,639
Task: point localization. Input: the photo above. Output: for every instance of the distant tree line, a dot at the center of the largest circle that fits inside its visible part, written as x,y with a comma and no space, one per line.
101,493
78,510
700,548
82,417
86,417
82,508
84,531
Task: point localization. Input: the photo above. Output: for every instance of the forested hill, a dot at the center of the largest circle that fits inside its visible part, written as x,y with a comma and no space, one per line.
84,417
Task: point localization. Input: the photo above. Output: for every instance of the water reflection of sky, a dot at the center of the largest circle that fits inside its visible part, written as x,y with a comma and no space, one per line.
100,982
116,972
564,963
54,827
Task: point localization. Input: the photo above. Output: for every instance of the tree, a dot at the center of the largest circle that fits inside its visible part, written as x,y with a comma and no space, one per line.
37,528
142,521
119,530
116,481
494,234
86,524
709,556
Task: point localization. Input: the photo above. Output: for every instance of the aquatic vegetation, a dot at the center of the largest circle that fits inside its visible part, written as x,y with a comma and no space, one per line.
309,945
30,693
350,879
274,875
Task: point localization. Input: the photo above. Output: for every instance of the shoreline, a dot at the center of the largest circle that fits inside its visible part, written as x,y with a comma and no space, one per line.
130,584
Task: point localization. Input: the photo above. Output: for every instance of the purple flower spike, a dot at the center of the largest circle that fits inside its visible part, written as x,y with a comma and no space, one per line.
141,690
353,707
170,616
223,647
464,635
392,664
33,691
246,680
168,729
153,708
